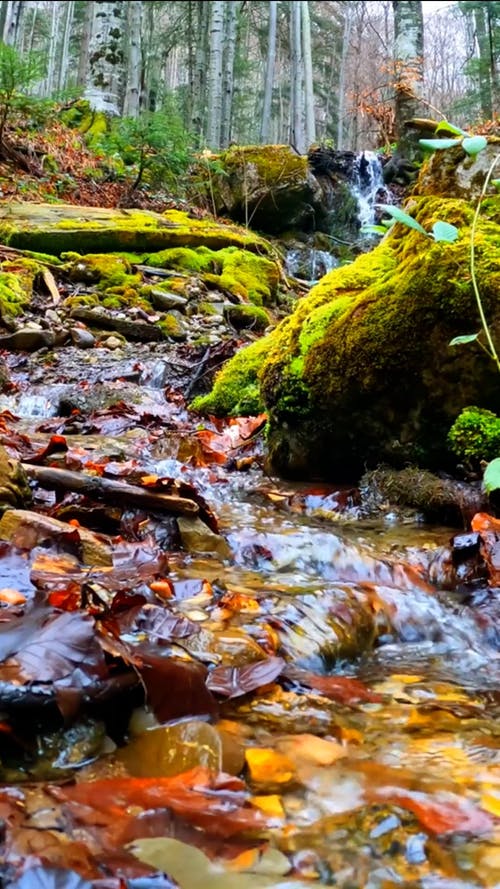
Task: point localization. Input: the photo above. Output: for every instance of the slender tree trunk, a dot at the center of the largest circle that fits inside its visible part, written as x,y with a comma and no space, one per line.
83,56
310,118
215,74
50,77
131,106
200,115
485,60
232,8
12,21
68,24
409,69
297,135
346,39
265,128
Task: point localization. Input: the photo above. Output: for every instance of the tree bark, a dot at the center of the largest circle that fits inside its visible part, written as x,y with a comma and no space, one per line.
228,80
310,118
68,24
486,60
265,128
215,74
297,135
131,106
12,21
409,70
106,57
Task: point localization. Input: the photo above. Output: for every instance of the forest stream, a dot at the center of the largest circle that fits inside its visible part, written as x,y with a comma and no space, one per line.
322,696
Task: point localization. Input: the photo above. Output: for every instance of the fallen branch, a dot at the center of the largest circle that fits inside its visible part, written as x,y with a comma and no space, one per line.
110,490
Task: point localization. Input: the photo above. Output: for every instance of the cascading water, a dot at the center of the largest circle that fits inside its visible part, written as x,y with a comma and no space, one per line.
368,186
309,264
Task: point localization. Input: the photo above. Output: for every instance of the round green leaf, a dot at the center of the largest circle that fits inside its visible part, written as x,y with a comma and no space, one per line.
443,231
373,230
474,144
491,477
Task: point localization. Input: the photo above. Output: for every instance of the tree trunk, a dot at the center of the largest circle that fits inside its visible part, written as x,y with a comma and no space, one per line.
265,127
49,83
485,60
297,135
83,56
232,8
68,24
131,106
310,118
409,70
346,39
199,118
106,57
12,21
215,75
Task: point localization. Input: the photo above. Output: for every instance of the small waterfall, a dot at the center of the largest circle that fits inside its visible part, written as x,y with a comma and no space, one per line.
368,186
309,264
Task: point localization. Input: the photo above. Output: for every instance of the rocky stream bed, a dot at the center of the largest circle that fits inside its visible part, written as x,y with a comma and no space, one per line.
251,684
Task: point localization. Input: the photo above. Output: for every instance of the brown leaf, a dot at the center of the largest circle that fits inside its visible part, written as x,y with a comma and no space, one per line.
234,681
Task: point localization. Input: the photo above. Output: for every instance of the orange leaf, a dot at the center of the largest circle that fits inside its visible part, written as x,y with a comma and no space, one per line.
11,597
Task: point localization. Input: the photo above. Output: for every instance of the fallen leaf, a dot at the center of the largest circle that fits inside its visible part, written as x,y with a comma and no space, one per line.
268,767
234,681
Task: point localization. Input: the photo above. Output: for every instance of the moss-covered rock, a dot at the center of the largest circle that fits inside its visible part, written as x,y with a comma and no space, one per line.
362,371
242,316
475,435
16,285
56,228
269,187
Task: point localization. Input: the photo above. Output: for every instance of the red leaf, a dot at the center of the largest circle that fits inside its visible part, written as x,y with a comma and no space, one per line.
175,687
447,814
216,804
234,681
342,689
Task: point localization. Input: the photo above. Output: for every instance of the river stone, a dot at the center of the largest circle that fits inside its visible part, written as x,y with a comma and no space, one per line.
14,487
27,529
197,537
163,751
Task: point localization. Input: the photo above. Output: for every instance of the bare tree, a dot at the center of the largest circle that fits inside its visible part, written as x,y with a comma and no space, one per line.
230,34
265,127
12,21
215,74
132,101
408,68
310,119
297,134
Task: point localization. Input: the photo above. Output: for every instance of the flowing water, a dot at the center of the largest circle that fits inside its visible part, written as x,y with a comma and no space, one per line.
394,782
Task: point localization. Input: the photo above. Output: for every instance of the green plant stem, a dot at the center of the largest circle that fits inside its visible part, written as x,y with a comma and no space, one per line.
482,316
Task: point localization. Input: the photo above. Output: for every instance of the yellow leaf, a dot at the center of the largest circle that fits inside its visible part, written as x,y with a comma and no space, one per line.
270,805
268,767
310,749
491,804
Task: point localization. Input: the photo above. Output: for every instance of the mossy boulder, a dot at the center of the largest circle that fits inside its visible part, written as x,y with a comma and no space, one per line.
363,372
16,286
58,228
269,187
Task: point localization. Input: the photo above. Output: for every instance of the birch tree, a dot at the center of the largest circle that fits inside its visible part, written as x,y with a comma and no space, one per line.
310,119
408,68
265,127
297,135
214,98
105,57
132,102
229,52
64,73
12,21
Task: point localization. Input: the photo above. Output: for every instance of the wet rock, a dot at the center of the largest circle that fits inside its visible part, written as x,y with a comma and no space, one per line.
27,529
172,749
164,300
131,330
82,337
27,340
14,487
196,537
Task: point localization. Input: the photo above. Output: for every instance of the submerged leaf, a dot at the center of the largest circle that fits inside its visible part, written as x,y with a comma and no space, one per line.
234,681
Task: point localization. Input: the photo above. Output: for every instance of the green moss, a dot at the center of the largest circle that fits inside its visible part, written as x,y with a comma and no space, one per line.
172,327
475,434
104,269
255,277
183,259
16,285
242,316
362,371
55,228
236,387
81,300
